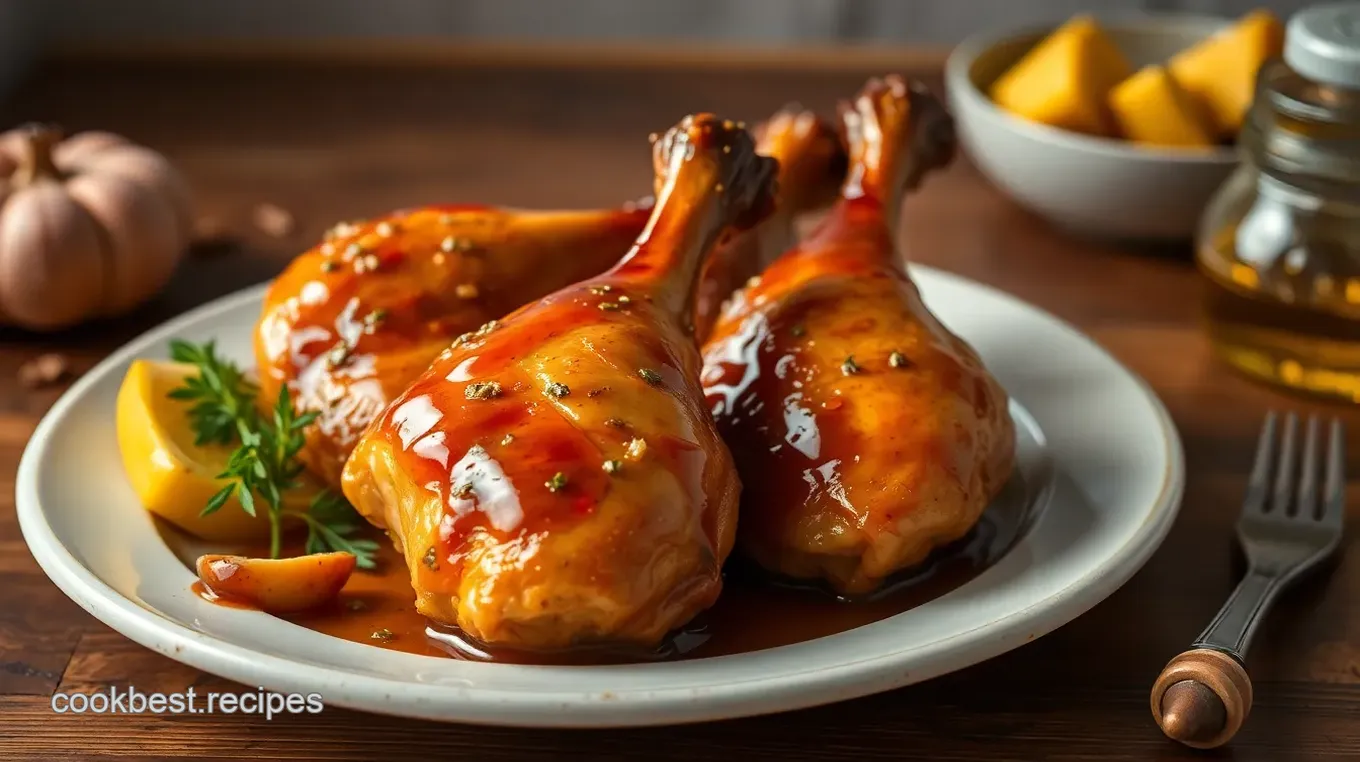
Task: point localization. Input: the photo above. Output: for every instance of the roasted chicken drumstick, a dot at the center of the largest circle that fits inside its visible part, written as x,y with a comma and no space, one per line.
865,433
812,164
554,479
354,320
350,323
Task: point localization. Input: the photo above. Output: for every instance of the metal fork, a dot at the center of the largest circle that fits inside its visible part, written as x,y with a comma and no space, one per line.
1203,695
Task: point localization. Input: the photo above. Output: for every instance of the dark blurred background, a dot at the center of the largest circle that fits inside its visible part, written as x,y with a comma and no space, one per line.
30,28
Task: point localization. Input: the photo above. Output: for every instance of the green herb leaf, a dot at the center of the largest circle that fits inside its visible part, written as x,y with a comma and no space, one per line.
265,465
330,519
246,496
218,500
323,538
220,393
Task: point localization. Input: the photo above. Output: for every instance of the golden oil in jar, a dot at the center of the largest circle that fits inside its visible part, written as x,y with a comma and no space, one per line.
1279,246
1296,324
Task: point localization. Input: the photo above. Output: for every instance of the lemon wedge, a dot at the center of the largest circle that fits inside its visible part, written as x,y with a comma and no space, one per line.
174,477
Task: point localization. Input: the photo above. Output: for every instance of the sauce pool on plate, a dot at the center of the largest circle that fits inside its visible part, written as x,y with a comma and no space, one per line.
754,612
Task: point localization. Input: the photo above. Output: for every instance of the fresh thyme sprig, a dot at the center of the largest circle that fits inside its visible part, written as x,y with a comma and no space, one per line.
330,519
223,398
264,466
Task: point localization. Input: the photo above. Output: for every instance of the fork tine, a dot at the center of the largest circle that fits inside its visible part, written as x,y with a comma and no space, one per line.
1259,482
1334,499
1306,504
1284,468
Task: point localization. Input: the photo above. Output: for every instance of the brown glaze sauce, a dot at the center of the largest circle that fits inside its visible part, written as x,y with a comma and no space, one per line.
542,445
353,320
755,612
212,596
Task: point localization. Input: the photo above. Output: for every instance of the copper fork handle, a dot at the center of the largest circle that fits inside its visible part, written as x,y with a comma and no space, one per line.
1202,697
1236,622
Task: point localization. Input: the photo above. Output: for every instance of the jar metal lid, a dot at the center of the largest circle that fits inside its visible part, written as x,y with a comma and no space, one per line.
1322,43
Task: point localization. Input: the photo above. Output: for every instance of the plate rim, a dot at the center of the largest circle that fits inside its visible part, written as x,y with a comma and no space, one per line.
624,708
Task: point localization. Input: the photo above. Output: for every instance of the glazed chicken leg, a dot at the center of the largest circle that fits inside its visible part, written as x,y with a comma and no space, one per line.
350,323
353,321
554,479
812,165
865,433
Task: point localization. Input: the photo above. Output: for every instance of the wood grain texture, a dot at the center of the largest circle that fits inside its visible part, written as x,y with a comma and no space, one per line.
328,143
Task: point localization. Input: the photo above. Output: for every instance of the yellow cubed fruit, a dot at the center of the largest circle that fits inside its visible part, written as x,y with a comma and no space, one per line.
173,476
1220,72
1151,108
1065,79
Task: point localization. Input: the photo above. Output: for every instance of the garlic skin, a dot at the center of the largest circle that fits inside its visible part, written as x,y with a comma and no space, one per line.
90,227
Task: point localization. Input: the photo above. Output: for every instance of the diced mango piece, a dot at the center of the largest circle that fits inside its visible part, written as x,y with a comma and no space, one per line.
1151,108
1220,72
1065,79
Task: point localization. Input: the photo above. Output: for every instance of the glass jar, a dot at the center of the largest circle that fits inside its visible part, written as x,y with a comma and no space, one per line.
1280,242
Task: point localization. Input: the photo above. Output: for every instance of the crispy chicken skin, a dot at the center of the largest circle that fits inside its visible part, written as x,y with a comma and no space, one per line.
431,274
555,479
351,322
865,433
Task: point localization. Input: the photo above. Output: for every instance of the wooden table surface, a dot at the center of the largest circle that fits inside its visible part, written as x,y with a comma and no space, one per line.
328,143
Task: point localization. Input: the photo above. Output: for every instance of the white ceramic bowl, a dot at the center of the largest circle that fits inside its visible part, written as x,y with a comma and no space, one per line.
1095,186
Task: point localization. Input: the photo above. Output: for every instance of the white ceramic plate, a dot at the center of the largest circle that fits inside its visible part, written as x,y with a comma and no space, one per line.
1112,494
